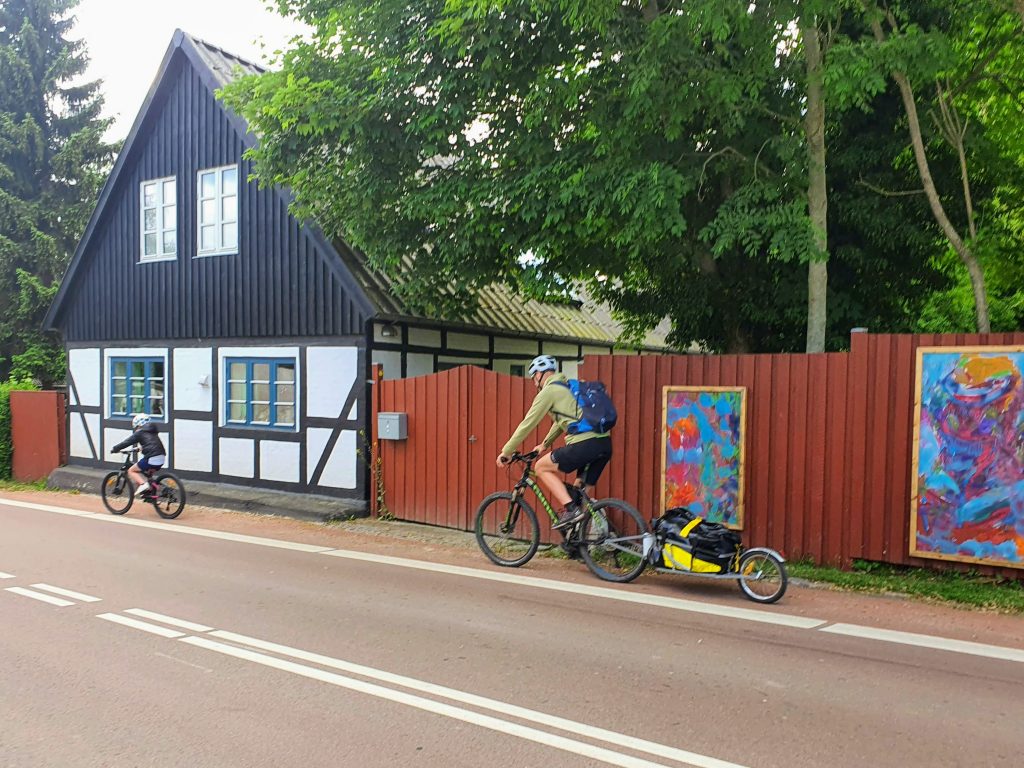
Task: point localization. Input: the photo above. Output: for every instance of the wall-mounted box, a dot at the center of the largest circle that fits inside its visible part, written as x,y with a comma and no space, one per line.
392,426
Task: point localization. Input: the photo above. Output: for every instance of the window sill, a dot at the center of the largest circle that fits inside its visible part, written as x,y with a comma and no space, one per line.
232,425
210,254
155,259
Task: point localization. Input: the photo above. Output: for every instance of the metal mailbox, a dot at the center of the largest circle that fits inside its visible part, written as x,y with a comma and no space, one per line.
392,426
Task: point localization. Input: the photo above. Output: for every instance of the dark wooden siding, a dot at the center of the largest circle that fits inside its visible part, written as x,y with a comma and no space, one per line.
280,283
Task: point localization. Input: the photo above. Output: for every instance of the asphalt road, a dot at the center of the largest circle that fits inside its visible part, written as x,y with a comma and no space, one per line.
126,644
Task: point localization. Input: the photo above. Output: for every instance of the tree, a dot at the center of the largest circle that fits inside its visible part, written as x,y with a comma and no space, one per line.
52,159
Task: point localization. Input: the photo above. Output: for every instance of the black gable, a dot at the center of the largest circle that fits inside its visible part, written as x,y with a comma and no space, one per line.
284,280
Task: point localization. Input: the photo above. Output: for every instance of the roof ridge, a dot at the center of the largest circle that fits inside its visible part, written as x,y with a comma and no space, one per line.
223,51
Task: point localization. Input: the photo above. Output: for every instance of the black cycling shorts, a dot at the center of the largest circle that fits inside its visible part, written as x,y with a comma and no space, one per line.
587,458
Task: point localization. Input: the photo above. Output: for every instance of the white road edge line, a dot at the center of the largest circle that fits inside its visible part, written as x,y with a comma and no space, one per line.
6,575
676,603
67,593
428,705
40,596
208,533
504,708
136,624
48,508
927,641
181,623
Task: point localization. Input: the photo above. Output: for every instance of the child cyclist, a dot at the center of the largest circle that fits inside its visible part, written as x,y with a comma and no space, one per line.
145,435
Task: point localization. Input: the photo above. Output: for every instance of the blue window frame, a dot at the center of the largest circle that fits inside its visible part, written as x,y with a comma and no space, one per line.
260,392
137,386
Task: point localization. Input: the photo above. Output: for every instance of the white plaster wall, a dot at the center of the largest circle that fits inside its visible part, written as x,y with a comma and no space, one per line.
342,468
425,337
526,347
571,368
160,352
561,349
418,364
469,342
193,379
194,443
316,441
237,457
482,362
596,350
270,352
390,360
79,442
331,373
84,365
279,461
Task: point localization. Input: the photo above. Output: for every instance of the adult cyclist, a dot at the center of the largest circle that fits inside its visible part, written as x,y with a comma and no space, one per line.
586,453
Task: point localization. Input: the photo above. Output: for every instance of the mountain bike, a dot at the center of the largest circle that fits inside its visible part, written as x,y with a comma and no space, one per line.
166,492
612,539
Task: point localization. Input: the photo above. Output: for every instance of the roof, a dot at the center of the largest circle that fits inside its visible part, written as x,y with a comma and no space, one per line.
498,307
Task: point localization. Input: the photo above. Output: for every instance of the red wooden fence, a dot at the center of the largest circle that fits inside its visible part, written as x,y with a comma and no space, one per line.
828,452
37,434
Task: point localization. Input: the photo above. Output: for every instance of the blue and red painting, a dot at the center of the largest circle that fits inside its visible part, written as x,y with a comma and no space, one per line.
703,460
969,484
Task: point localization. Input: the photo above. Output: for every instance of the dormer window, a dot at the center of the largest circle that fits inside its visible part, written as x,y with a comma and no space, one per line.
159,225
218,211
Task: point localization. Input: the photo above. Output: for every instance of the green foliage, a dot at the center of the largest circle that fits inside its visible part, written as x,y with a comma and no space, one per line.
52,162
6,449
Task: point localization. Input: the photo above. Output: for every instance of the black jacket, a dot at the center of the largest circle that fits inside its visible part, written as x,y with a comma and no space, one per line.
147,438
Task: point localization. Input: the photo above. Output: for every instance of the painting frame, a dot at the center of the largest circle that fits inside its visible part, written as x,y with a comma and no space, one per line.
915,470
667,391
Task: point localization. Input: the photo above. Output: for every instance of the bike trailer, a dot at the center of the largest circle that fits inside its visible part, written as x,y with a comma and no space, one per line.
690,543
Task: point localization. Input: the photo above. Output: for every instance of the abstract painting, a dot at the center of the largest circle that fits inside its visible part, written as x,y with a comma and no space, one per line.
702,451
967,495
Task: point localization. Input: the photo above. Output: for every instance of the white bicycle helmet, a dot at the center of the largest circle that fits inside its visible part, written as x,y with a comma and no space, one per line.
140,420
542,363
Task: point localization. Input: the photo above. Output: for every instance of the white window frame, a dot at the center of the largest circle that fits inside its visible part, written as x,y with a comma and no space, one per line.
219,195
161,206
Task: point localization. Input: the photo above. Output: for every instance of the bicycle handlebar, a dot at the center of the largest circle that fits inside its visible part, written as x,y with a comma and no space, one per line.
525,458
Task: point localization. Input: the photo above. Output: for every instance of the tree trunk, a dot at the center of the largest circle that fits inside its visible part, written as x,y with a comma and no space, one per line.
962,249
1020,10
817,192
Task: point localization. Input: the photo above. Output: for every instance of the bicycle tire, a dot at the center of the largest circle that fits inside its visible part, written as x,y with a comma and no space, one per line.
170,500
765,563
615,554
508,548
117,500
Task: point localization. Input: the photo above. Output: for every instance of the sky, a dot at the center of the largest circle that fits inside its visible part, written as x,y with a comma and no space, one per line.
127,39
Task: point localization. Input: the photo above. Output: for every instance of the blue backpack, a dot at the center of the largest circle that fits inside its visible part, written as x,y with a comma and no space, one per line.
597,409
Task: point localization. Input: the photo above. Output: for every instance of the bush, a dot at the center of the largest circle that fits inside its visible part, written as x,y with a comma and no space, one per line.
6,449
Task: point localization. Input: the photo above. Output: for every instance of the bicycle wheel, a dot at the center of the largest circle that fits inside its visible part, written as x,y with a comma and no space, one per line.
763,576
613,541
170,499
117,493
506,529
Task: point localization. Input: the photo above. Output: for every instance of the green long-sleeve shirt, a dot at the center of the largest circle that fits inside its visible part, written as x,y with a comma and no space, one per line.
556,400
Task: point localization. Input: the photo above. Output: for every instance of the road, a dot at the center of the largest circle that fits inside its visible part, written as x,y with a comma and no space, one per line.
133,642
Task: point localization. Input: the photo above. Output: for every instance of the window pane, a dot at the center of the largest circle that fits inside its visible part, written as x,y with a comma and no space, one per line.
286,415
260,413
156,407
229,208
208,242
229,236
236,391
156,369
170,217
121,368
236,412
169,191
138,368
138,388
156,387
120,404
208,211
149,194
207,185
261,392
261,372
149,219
229,177
285,394
286,372
170,242
138,405
150,245
120,387
236,371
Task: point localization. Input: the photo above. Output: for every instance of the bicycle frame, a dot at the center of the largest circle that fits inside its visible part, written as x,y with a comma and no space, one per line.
527,481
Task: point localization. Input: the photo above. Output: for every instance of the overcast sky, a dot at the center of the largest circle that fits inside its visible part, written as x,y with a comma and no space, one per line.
127,40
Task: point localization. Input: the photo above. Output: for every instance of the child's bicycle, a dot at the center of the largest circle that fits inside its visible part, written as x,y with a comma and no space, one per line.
612,540
166,492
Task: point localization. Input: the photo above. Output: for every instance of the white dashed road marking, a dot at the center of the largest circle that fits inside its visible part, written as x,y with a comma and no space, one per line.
136,624
43,598
67,593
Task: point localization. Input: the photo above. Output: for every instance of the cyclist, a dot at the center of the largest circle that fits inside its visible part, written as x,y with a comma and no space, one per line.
586,453
144,433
